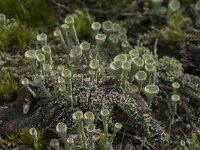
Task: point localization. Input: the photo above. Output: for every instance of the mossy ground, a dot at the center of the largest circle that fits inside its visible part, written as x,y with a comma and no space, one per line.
8,87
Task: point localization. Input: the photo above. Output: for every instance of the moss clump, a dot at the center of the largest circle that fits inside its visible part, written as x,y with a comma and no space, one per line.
174,31
3,40
20,36
16,35
8,86
23,137
83,22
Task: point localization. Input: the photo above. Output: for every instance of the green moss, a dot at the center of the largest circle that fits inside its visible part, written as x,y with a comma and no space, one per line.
83,22
8,86
31,12
101,140
174,31
3,40
20,36
16,37
24,138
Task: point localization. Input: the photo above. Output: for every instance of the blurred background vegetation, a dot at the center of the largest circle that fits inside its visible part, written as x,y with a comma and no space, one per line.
33,13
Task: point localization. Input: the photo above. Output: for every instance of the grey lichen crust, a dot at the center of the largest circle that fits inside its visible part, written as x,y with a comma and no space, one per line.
137,112
86,98
170,68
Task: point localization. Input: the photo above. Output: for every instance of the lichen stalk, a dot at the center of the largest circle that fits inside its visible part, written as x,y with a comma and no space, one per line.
25,82
48,69
65,30
61,128
117,127
104,116
67,74
38,80
31,56
78,119
57,33
69,20
90,130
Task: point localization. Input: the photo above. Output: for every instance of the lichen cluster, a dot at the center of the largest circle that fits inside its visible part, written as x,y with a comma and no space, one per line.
170,68
62,85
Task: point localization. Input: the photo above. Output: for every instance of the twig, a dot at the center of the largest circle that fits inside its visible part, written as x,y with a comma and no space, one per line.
105,12
183,133
170,129
195,127
156,59
126,14
189,93
98,11
191,116
122,141
138,138
62,6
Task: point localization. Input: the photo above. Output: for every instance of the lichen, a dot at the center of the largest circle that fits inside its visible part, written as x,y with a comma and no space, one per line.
169,68
87,98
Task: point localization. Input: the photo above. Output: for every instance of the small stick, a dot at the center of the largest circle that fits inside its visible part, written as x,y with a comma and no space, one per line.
156,59
191,116
122,141
138,138
62,6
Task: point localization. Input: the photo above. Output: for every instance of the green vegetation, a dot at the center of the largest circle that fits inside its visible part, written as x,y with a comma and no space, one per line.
82,23
8,86
20,36
15,37
23,137
32,13
3,40
174,31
